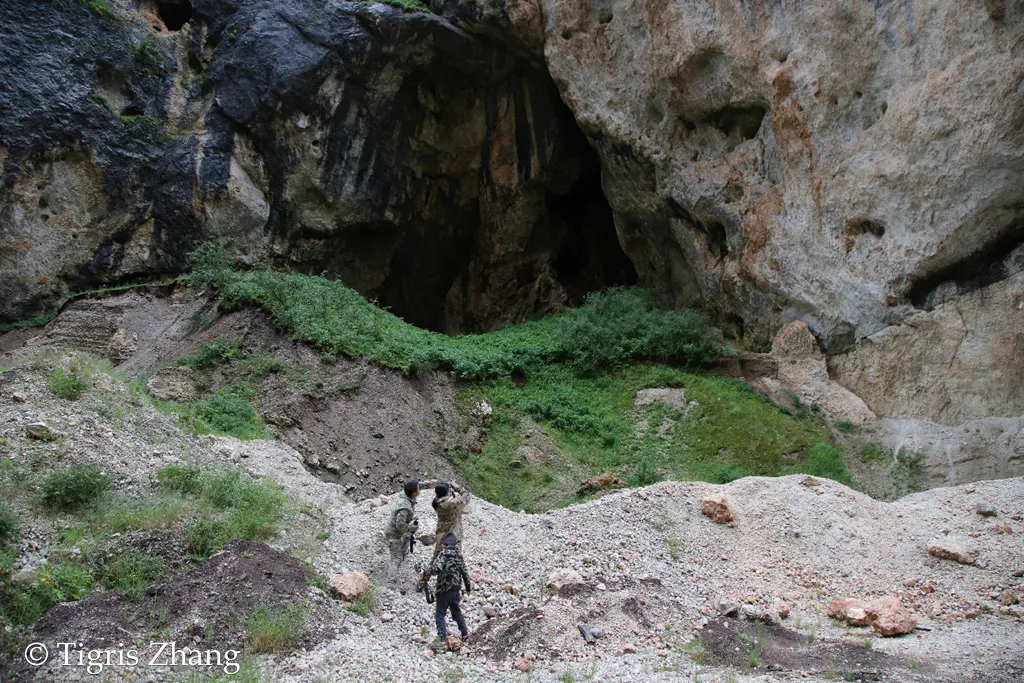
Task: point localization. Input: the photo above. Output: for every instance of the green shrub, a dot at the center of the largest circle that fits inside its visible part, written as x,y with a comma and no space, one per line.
66,384
644,474
8,525
211,354
275,628
622,325
180,477
73,487
365,603
611,328
239,507
100,8
131,571
146,55
54,584
723,473
845,427
824,460
413,5
226,412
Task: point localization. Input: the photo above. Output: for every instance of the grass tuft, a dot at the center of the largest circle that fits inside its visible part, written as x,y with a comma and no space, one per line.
73,487
67,385
275,628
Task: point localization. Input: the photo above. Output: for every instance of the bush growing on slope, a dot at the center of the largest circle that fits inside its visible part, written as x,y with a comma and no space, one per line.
73,487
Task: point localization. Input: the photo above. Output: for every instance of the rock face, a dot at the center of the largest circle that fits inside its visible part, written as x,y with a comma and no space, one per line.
174,384
812,161
946,455
802,368
962,360
436,171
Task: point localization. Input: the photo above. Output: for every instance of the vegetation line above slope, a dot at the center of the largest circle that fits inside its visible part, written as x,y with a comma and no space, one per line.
614,327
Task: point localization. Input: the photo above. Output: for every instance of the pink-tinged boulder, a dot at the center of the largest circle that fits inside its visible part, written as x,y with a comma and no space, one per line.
889,617
849,610
717,508
350,585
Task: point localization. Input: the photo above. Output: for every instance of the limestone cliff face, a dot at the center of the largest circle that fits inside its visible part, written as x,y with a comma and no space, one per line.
833,162
434,170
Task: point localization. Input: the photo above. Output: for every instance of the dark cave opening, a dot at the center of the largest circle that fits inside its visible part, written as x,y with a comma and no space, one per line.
992,263
174,13
589,256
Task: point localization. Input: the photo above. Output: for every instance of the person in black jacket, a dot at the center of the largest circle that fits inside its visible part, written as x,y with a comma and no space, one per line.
450,570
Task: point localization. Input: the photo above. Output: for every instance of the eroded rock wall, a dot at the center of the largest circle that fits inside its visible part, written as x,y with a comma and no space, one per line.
822,161
434,170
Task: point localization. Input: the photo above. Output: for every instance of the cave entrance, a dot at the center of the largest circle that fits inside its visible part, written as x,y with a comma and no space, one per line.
589,256
174,13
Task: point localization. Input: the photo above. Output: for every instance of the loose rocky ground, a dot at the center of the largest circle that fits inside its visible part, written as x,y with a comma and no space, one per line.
654,571
653,574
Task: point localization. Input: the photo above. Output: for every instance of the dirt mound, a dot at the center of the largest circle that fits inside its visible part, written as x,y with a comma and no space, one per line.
204,608
356,424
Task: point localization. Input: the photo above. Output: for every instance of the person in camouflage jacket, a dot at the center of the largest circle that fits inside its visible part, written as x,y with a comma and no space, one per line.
450,570
402,526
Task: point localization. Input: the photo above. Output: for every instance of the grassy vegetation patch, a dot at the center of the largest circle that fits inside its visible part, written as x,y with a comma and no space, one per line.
272,628
229,412
8,525
339,321
67,384
131,571
730,432
73,487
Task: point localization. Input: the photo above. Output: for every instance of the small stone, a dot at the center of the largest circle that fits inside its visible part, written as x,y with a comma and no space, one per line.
629,650
602,587
969,489
717,508
849,610
985,509
387,617
910,582
729,608
490,612
953,548
561,578
39,431
782,608
523,664
1009,597
18,397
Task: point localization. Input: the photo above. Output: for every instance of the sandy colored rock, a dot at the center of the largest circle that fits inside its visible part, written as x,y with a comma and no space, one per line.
773,162
953,548
176,384
673,396
803,370
122,345
562,578
40,431
718,508
889,617
850,610
962,360
350,585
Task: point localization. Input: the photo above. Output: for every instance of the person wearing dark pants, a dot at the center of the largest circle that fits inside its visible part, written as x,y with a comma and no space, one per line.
450,570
